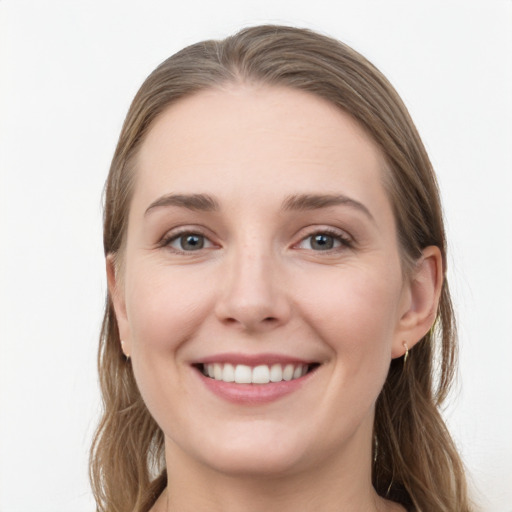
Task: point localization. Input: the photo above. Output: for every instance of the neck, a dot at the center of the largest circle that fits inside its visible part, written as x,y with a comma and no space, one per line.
333,486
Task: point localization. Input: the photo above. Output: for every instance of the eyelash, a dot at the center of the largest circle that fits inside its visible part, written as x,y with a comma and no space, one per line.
171,237
344,240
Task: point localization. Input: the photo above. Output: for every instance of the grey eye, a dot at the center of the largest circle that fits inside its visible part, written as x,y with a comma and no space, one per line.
189,242
322,242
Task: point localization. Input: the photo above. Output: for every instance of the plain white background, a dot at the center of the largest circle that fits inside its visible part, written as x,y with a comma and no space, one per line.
69,70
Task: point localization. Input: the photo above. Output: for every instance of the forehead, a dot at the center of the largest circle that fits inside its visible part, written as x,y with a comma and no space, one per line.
252,143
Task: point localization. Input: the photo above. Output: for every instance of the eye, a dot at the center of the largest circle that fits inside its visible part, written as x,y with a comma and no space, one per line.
324,241
188,242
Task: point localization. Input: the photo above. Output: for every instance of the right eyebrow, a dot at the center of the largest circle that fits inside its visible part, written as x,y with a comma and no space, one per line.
196,202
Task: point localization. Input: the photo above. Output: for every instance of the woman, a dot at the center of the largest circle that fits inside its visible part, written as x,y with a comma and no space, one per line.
278,331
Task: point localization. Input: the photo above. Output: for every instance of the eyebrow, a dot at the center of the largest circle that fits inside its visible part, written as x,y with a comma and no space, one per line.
318,201
296,202
196,202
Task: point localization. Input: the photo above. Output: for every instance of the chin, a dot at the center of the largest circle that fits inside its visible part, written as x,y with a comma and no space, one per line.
254,452
256,463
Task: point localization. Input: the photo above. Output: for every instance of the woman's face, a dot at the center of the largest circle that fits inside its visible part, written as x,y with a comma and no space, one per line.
261,247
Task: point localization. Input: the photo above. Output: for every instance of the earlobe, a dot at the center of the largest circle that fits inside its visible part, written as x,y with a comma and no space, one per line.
116,293
424,291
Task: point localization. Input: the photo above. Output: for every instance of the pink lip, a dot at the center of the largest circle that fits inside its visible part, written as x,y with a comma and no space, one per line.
251,359
252,394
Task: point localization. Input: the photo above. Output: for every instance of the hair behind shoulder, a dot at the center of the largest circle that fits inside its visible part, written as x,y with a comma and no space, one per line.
415,461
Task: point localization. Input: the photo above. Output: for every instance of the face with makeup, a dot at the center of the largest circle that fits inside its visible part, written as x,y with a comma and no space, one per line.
261,294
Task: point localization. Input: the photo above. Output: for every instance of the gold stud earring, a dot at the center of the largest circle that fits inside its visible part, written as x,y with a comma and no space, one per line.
406,355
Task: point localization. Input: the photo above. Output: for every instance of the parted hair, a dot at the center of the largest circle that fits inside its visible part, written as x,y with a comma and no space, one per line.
415,461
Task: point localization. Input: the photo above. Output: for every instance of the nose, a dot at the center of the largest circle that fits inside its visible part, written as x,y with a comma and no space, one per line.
252,294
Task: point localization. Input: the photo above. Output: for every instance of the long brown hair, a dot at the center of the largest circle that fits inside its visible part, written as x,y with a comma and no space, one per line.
415,461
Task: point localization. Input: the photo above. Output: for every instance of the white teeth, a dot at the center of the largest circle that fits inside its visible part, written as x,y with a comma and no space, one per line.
217,371
276,373
261,374
228,375
243,374
288,372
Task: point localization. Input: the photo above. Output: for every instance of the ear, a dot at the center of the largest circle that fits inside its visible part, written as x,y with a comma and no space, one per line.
421,298
116,292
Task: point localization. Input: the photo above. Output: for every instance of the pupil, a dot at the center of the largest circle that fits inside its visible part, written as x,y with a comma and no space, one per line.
322,242
192,242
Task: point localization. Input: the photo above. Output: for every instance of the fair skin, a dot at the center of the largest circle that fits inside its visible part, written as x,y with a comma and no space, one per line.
257,272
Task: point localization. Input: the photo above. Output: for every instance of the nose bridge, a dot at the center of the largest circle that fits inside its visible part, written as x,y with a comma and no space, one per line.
252,296
252,269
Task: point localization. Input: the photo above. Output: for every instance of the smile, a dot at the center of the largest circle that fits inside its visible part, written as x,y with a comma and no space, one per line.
261,374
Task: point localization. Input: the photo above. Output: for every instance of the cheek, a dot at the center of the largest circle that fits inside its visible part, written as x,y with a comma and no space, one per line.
164,307
355,311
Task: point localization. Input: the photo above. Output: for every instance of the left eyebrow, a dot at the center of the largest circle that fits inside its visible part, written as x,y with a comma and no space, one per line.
318,201
197,202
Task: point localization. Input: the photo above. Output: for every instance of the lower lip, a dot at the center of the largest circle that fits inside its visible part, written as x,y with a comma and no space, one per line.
253,394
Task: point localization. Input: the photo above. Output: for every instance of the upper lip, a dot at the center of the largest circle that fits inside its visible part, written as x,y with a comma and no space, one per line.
252,359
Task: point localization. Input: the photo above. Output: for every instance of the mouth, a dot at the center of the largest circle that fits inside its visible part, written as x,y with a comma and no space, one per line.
259,374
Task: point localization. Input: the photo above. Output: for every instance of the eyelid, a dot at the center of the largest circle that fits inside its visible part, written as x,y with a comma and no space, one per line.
342,236
176,233
345,239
